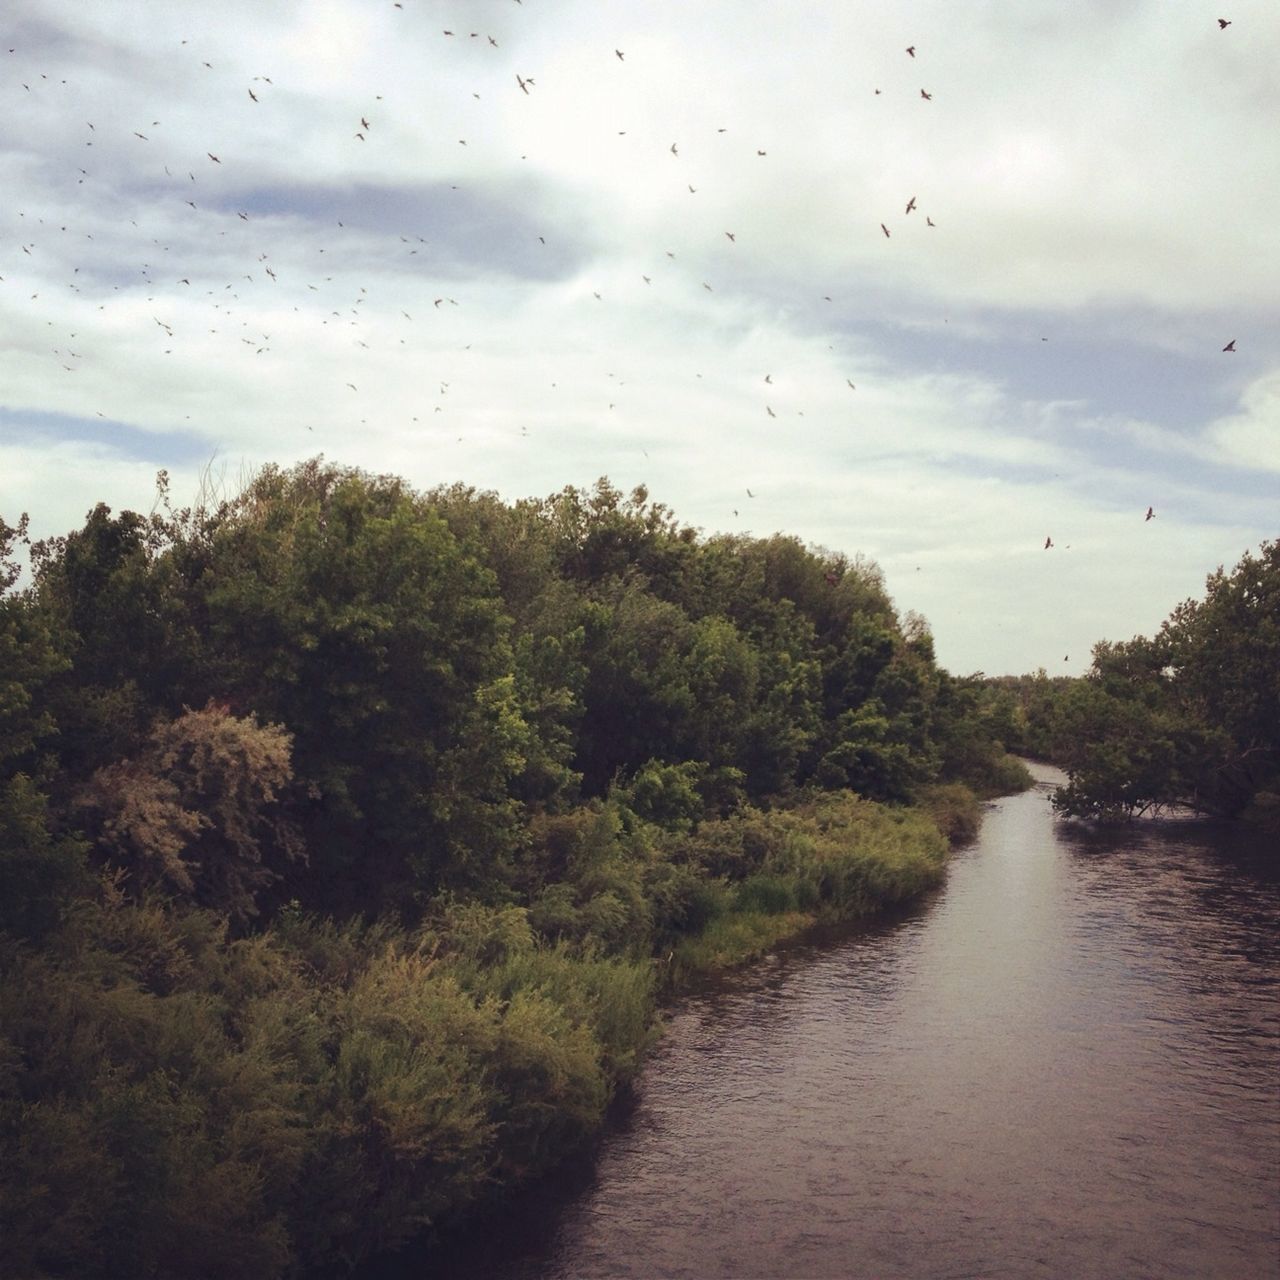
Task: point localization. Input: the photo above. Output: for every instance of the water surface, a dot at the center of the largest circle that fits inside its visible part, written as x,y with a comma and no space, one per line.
1063,1063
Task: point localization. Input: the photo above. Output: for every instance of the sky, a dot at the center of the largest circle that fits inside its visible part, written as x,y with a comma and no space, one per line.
927,282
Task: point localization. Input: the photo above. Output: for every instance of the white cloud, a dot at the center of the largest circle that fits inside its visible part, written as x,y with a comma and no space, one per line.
1115,171
1252,436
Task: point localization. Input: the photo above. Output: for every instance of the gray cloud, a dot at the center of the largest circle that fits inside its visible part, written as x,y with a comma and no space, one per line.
1105,182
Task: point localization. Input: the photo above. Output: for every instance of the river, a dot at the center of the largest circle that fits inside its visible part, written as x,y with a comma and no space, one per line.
1062,1063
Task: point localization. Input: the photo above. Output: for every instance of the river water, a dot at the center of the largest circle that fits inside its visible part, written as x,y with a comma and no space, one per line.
1065,1062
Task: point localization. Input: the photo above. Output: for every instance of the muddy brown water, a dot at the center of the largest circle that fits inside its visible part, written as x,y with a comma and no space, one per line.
1065,1062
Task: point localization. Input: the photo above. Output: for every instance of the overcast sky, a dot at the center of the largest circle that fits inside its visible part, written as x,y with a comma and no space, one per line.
256,231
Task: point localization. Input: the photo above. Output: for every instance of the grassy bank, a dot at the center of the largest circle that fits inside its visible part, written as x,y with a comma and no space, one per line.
176,1101
832,859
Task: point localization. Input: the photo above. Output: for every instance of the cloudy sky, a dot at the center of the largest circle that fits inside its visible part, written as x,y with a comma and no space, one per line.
527,243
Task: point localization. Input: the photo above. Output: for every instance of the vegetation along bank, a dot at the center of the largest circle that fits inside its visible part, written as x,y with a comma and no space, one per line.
349,835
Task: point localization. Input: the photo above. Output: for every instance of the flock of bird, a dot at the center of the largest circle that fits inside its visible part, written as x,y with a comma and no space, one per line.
223,208
228,300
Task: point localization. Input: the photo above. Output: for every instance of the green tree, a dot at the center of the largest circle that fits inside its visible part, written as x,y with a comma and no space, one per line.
342,607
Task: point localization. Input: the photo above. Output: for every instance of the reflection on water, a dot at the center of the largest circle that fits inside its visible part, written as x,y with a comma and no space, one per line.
1062,1063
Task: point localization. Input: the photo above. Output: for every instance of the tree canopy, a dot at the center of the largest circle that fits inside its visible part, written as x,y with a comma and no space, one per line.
1190,716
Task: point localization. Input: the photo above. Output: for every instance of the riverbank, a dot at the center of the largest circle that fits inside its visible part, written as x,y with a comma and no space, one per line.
764,878
832,859
1026,1072
318,1094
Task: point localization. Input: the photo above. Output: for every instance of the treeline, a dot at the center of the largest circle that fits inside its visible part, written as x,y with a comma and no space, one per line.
1188,717
347,833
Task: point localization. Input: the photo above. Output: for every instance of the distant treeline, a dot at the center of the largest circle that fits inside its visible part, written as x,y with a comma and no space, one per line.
1190,717
348,833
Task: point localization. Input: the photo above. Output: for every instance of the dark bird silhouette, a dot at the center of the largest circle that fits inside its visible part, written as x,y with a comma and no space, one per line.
364,124
768,377
213,157
762,153
851,386
732,236
911,204
911,49
928,97
885,230
770,412
1150,514
1223,23
253,95
619,53
1048,542
1231,346
750,494
522,82
929,222
674,152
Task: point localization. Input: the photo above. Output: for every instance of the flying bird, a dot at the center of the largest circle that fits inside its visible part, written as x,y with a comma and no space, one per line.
928,97
732,236
770,412
674,152
253,95
1231,346
364,124
911,49
522,82
1048,542
885,230
619,53
1223,23
213,157
1150,514
911,204
929,222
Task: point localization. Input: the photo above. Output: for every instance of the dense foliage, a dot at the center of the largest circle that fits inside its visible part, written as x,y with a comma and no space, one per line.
1189,717
347,833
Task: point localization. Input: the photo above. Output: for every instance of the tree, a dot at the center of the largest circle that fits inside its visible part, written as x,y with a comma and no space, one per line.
198,812
340,606
1191,716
